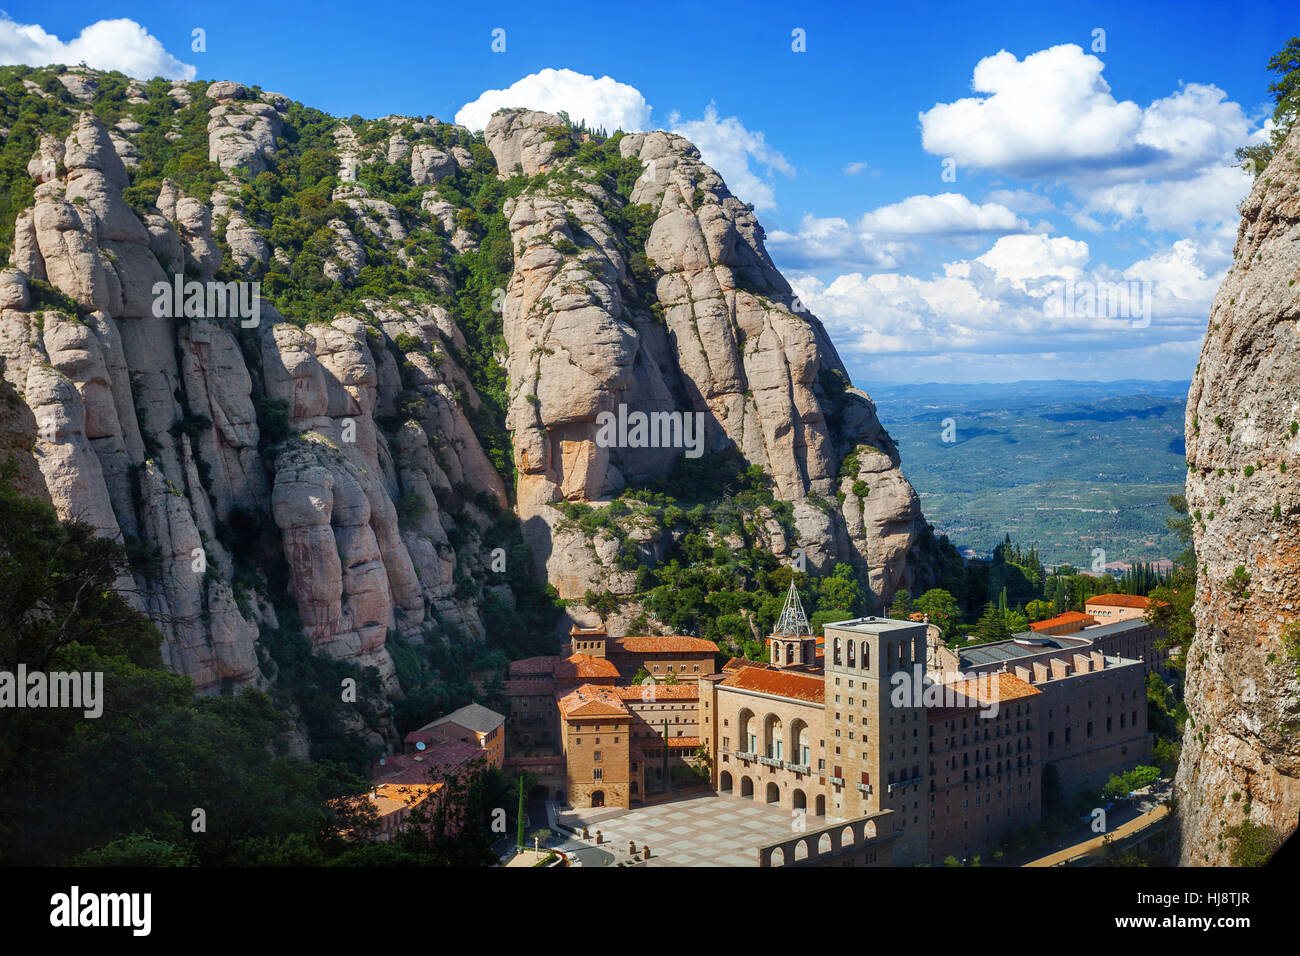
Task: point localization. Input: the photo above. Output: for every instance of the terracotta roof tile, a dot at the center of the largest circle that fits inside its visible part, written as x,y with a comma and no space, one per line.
667,644
1069,617
688,691
584,667
778,683
533,666
981,691
441,758
1120,600
592,701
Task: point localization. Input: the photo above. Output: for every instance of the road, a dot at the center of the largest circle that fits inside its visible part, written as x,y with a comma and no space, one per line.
1095,844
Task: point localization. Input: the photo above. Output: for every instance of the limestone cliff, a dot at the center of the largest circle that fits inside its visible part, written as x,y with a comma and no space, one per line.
349,461
722,335
1241,751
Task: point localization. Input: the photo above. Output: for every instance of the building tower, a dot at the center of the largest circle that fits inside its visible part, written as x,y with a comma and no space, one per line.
876,727
792,643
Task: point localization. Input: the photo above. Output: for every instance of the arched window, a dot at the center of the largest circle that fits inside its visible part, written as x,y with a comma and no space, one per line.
836,657
853,657
866,656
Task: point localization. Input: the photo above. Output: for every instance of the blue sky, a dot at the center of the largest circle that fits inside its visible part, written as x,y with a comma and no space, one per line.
1073,158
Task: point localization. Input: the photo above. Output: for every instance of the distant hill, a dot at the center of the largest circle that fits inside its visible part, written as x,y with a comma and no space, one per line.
1069,466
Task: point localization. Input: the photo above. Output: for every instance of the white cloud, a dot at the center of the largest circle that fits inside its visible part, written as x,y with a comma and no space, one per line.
853,169
1209,199
944,214
741,156
104,45
600,102
996,304
1018,258
885,237
1022,200
1053,115
833,242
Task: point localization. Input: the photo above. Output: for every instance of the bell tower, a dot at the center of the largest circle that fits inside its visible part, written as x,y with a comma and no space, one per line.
792,643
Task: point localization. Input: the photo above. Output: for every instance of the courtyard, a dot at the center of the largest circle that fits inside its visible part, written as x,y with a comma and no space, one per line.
705,830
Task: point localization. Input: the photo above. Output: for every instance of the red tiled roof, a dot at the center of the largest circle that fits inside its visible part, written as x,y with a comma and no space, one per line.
1069,617
778,683
442,759
584,667
532,666
1119,600
668,644
430,735
688,691
736,663
979,692
592,701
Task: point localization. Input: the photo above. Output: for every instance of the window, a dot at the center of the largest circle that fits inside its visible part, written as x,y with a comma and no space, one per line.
597,774
595,755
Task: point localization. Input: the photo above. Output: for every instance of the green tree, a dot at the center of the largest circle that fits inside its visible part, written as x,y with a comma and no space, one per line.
1286,99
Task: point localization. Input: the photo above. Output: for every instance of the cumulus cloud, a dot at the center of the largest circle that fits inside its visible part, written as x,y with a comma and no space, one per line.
601,103
945,214
741,156
854,169
104,45
885,237
831,241
1053,115
998,303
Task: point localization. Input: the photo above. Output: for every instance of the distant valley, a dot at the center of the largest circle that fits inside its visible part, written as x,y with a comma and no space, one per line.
1068,466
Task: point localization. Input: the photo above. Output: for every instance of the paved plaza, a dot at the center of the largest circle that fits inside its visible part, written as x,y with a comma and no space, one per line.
694,831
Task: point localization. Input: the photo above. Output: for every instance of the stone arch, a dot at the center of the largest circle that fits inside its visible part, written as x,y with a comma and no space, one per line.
773,794
869,831
836,648
746,787
800,742
773,746
851,657
744,724
866,656
847,837
820,805
801,850
777,856
825,844
724,781
799,800
598,798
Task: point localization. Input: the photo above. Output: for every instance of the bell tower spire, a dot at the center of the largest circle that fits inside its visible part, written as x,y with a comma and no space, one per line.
792,643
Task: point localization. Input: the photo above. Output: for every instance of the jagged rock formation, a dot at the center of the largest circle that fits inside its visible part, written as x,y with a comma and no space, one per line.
353,437
1241,755
727,341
